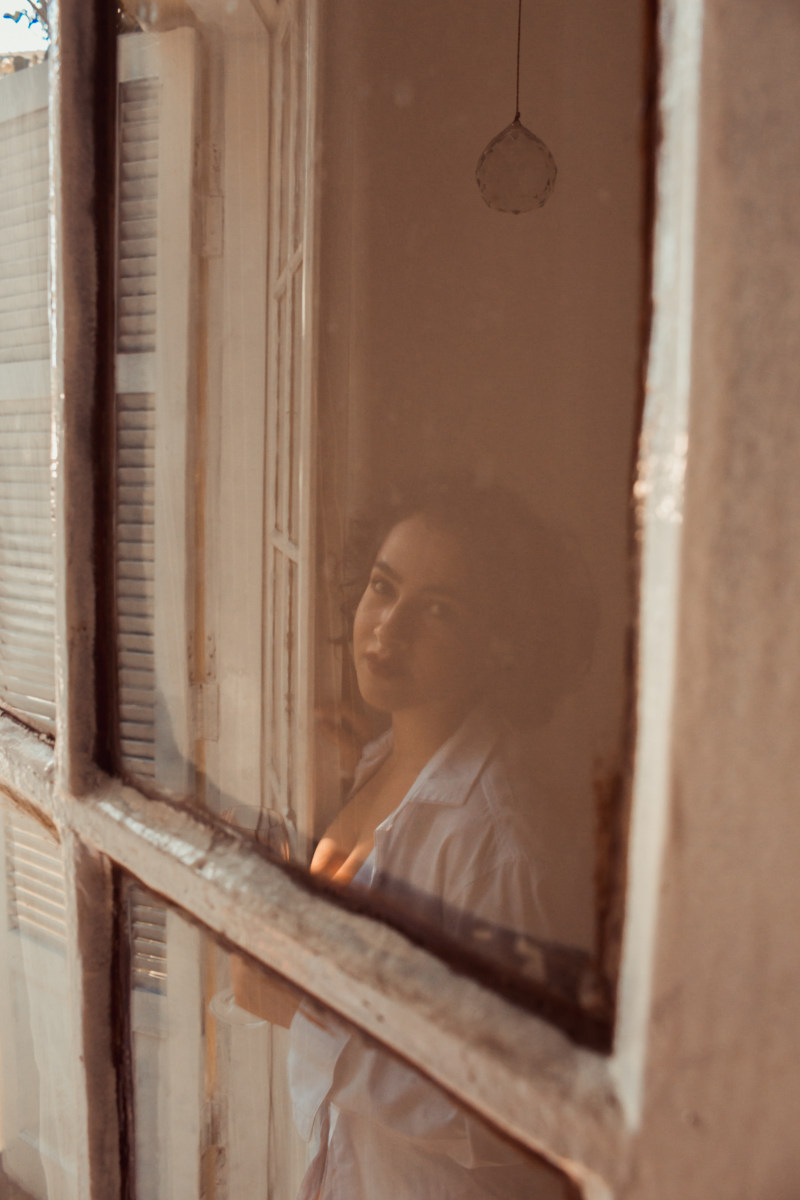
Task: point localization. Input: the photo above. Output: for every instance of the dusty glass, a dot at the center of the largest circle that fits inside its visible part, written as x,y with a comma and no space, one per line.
373,447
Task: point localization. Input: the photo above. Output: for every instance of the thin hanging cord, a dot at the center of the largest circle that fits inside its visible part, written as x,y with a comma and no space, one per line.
519,42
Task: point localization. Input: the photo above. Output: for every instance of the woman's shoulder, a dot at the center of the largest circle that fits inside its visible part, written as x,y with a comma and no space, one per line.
491,757
460,846
480,777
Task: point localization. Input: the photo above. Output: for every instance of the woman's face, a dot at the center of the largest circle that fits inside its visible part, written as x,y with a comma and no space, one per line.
416,638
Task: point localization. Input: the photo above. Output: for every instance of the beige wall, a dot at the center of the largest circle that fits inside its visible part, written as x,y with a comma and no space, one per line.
461,336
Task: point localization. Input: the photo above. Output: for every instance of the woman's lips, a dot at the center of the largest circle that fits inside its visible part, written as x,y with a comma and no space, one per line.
385,666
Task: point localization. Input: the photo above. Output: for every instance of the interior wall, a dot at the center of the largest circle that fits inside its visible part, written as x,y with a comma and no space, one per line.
456,336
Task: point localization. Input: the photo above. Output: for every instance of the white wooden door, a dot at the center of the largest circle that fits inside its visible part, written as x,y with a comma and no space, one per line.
290,484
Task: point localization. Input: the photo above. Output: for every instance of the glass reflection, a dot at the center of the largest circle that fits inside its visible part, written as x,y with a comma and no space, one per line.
320,313
450,633
287,1100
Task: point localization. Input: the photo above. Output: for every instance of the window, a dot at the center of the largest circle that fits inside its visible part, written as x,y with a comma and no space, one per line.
27,602
243,436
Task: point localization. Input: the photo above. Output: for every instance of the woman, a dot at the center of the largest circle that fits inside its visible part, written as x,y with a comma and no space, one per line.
448,638
456,611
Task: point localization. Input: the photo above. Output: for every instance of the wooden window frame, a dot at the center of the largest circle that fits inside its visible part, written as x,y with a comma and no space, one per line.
578,1108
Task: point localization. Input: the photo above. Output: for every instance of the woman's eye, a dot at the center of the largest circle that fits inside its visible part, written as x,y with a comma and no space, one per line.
379,586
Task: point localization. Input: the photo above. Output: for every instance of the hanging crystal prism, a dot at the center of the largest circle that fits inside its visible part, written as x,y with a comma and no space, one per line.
516,172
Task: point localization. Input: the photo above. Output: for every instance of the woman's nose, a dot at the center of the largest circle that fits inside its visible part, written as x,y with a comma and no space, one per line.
396,625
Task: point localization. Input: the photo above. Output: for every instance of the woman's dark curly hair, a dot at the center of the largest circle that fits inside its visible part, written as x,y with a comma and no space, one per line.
529,586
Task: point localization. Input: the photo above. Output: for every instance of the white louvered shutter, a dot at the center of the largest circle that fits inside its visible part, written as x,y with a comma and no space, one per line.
36,1080
147,930
157,98
157,101
27,612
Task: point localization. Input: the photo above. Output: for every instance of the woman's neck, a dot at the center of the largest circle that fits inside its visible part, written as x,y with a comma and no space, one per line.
418,733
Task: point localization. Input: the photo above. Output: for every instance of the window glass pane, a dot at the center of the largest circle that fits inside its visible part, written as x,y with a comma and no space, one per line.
332,353
27,615
37,1081
276,1096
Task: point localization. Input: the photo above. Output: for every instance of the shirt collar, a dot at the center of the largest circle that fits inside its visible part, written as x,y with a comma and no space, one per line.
448,776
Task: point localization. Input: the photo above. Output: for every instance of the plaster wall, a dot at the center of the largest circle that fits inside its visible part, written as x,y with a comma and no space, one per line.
722,1096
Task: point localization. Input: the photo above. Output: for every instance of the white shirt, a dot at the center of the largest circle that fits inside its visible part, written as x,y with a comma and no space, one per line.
461,843
459,846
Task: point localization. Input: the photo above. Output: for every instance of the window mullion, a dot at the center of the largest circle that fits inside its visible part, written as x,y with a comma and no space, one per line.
82,59
82,134
512,1067
90,929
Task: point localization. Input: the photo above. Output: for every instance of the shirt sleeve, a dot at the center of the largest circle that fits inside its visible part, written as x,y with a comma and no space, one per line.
316,1042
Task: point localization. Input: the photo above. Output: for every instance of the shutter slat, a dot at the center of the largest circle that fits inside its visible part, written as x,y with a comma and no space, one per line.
33,213
135,571
24,187
138,698
128,494
24,335
139,592
138,174
136,534
138,287
136,419
38,869
31,284
140,343
140,110
22,242
140,89
24,127
148,932
141,324
27,594
137,477
136,210
35,885
143,681
40,710
137,257
21,270
139,228
20,318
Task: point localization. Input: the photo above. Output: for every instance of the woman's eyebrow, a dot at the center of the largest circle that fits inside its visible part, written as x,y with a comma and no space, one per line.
436,589
381,565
